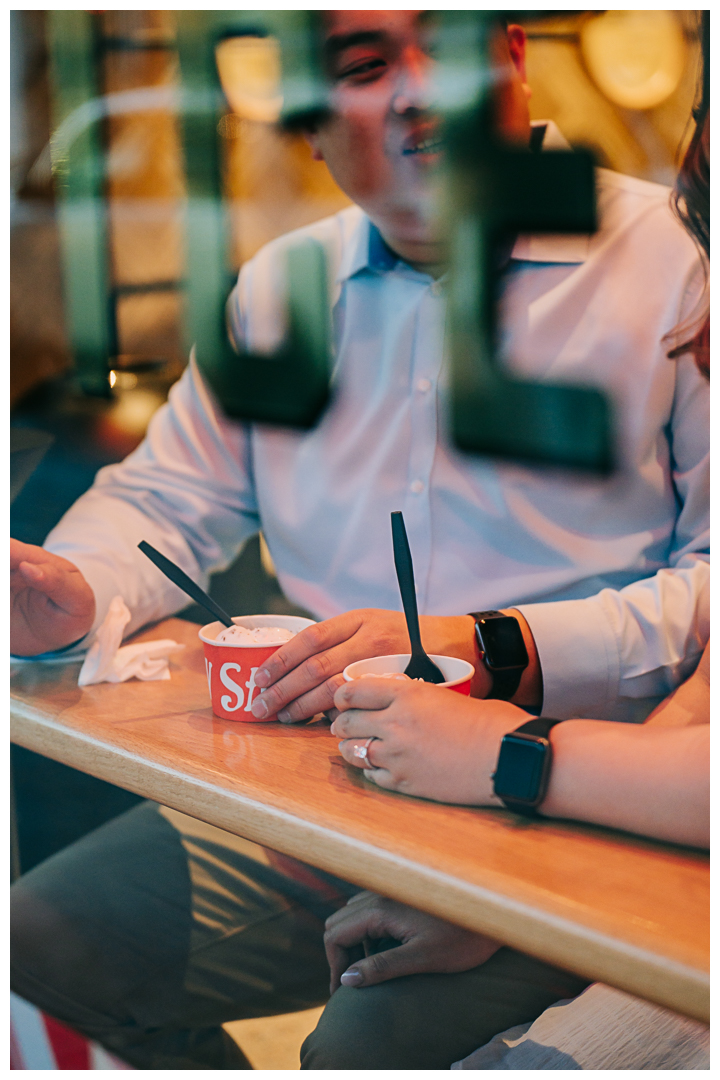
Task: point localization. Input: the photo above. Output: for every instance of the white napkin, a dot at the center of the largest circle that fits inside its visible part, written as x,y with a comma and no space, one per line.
107,661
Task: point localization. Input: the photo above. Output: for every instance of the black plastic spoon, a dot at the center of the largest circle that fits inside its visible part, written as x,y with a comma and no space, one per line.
180,578
420,666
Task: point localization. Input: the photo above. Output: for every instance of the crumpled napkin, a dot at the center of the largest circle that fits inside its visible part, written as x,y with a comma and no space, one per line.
107,661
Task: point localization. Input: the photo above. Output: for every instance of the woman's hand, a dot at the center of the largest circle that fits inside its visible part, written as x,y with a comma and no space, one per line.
426,944
425,740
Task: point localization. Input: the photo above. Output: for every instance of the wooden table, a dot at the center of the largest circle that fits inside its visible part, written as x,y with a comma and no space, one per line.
629,912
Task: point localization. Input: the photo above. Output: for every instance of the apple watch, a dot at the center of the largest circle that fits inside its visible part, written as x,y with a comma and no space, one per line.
502,650
522,772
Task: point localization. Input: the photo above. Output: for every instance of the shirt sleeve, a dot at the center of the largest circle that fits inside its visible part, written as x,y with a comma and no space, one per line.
615,655
188,489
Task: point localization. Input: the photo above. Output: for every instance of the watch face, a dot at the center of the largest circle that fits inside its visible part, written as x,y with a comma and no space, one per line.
502,642
519,772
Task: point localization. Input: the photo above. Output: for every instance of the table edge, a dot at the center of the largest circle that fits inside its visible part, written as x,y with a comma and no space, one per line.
587,951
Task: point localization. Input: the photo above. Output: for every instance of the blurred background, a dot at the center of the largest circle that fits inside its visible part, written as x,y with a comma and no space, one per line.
620,82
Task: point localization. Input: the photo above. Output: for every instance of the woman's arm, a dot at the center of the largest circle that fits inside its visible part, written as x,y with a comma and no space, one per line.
649,780
652,779
434,743
689,703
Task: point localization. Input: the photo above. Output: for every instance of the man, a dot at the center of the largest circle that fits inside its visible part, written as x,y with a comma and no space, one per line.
154,930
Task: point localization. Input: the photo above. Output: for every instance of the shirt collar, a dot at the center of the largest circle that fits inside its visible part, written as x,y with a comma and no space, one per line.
367,250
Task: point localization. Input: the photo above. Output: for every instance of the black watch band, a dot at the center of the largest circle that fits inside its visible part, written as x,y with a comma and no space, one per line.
505,683
522,773
539,725
504,656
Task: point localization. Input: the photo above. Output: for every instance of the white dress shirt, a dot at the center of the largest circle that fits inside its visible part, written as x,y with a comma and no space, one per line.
611,574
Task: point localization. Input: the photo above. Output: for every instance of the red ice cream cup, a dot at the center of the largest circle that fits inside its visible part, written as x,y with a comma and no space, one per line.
231,668
458,673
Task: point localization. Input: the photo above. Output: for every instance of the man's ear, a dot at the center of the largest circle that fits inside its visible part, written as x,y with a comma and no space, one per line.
311,138
517,41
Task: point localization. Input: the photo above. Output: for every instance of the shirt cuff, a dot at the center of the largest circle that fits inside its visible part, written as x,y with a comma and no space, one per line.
70,652
578,656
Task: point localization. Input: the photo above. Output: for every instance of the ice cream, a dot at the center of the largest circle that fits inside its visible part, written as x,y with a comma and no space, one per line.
261,635
389,675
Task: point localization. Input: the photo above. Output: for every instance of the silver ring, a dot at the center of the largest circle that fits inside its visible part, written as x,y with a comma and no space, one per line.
362,752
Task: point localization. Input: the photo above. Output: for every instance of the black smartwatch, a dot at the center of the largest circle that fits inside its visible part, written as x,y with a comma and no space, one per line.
502,650
522,772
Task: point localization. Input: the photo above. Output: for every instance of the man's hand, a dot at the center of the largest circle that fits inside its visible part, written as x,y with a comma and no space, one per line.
426,944
303,675
51,603
425,740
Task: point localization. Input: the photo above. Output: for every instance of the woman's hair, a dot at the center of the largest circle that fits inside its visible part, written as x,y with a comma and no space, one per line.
691,197
691,203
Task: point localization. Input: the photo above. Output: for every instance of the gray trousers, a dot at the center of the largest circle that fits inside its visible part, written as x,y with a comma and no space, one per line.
151,932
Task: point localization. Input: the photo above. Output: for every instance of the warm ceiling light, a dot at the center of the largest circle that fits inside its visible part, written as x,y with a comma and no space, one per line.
249,69
636,58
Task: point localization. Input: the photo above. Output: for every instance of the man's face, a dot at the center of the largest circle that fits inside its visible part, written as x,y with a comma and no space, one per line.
381,141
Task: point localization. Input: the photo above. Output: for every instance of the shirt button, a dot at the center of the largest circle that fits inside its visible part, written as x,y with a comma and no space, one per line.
417,486
423,385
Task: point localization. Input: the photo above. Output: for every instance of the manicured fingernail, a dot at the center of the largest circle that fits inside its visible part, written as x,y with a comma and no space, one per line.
262,677
259,708
351,978
283,716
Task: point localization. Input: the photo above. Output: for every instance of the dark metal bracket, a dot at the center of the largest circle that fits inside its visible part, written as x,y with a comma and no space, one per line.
493,193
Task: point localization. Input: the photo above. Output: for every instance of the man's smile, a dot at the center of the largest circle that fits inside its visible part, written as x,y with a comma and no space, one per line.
431,144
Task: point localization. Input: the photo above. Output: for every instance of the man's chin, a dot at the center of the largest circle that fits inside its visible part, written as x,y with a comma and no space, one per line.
416,243
410,228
